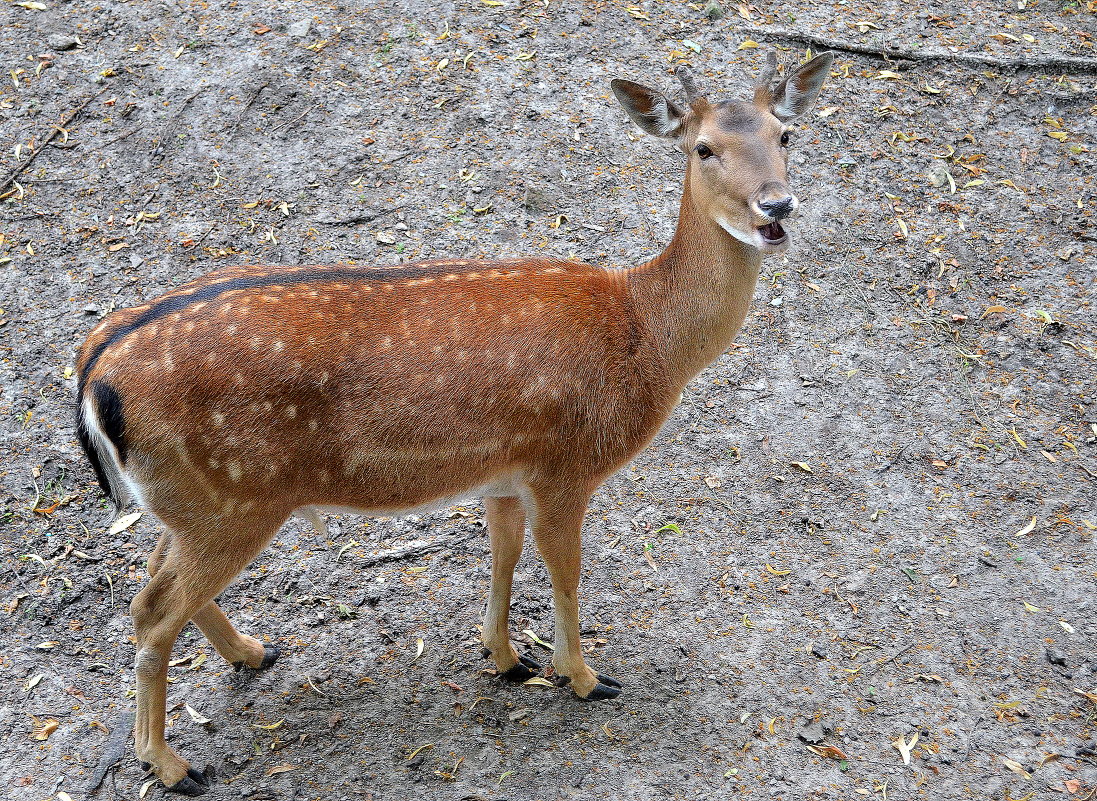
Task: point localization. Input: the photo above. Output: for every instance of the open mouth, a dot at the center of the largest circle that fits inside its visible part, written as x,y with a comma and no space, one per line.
773,233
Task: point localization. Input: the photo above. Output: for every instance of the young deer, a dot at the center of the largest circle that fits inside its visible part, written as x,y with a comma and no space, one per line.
230,402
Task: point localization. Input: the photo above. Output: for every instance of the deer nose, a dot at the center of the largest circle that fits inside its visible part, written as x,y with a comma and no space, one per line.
780,208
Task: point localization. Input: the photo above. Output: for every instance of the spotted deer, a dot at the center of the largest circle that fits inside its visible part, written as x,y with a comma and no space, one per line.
231,401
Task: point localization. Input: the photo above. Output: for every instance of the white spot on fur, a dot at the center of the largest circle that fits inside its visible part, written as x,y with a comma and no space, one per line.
235,471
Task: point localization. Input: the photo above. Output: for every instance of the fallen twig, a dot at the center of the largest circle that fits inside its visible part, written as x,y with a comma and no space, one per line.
298,118
412,549
881,662
1056,63
56,130
360,218
244,110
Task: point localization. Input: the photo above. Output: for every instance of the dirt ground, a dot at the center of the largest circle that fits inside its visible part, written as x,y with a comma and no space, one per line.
871,522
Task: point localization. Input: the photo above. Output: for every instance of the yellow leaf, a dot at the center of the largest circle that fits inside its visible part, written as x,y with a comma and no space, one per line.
270,727
803,466
423,747
1059,135
994,310
904,231
492,3
538,681
419,646
1029,528
442,64
1016,768
529,633
1017,436
32,6
931,90
749,44
1029,607
146,787
525,56
888,75
775,571
280,769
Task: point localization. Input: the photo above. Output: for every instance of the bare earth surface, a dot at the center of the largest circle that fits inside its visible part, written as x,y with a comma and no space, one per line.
876,513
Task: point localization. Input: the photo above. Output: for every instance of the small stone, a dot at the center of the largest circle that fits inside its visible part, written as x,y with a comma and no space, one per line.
519,714
777,302
819,650
813,733
1056,657
385,238
91,308
61,42
299,29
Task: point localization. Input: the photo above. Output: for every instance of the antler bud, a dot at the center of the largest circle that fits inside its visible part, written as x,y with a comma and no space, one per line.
763,87
686,77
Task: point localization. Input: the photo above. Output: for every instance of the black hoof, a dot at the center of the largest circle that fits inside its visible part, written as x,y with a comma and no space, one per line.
606,680
194,783
145,766
486,653
602,693
532,664
270,656
518,673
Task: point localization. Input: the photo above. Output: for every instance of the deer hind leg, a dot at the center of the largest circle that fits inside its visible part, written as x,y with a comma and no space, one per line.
187,575
556,529
237,649
506,519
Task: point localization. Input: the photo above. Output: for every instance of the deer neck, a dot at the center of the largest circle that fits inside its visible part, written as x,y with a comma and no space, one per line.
694,296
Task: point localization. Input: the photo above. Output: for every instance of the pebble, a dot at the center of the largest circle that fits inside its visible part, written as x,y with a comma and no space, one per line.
299,29
61,42
1056,657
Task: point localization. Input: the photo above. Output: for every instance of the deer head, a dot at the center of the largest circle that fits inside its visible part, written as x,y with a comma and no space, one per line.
737,173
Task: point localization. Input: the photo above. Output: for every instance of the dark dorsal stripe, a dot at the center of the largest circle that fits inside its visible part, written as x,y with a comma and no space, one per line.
175,303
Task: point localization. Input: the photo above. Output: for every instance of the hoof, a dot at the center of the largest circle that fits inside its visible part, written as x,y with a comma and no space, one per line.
606,680
194,783
525,669
603,693
270,656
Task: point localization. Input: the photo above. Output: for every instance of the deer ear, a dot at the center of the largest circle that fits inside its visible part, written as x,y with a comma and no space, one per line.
796,94
648,108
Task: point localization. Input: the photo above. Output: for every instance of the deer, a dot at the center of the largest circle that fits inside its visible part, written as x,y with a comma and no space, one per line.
253,393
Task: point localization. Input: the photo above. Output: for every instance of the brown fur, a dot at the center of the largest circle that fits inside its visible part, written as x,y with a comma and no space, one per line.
388,390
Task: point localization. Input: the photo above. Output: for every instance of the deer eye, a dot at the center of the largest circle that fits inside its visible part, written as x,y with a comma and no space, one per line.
786,137
704,151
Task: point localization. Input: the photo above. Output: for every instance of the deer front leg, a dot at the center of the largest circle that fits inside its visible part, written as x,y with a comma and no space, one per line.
506,518
556,529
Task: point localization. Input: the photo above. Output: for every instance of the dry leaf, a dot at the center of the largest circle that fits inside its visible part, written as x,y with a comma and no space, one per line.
803,466
538,681
32,683
280,769
43,728
749,44
146,787
1029,607
419,646
197,716
888,75
529,633
1016,768
905,748
1072,786
124,522
713,482
775,571
269,727
1029,528
831,751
